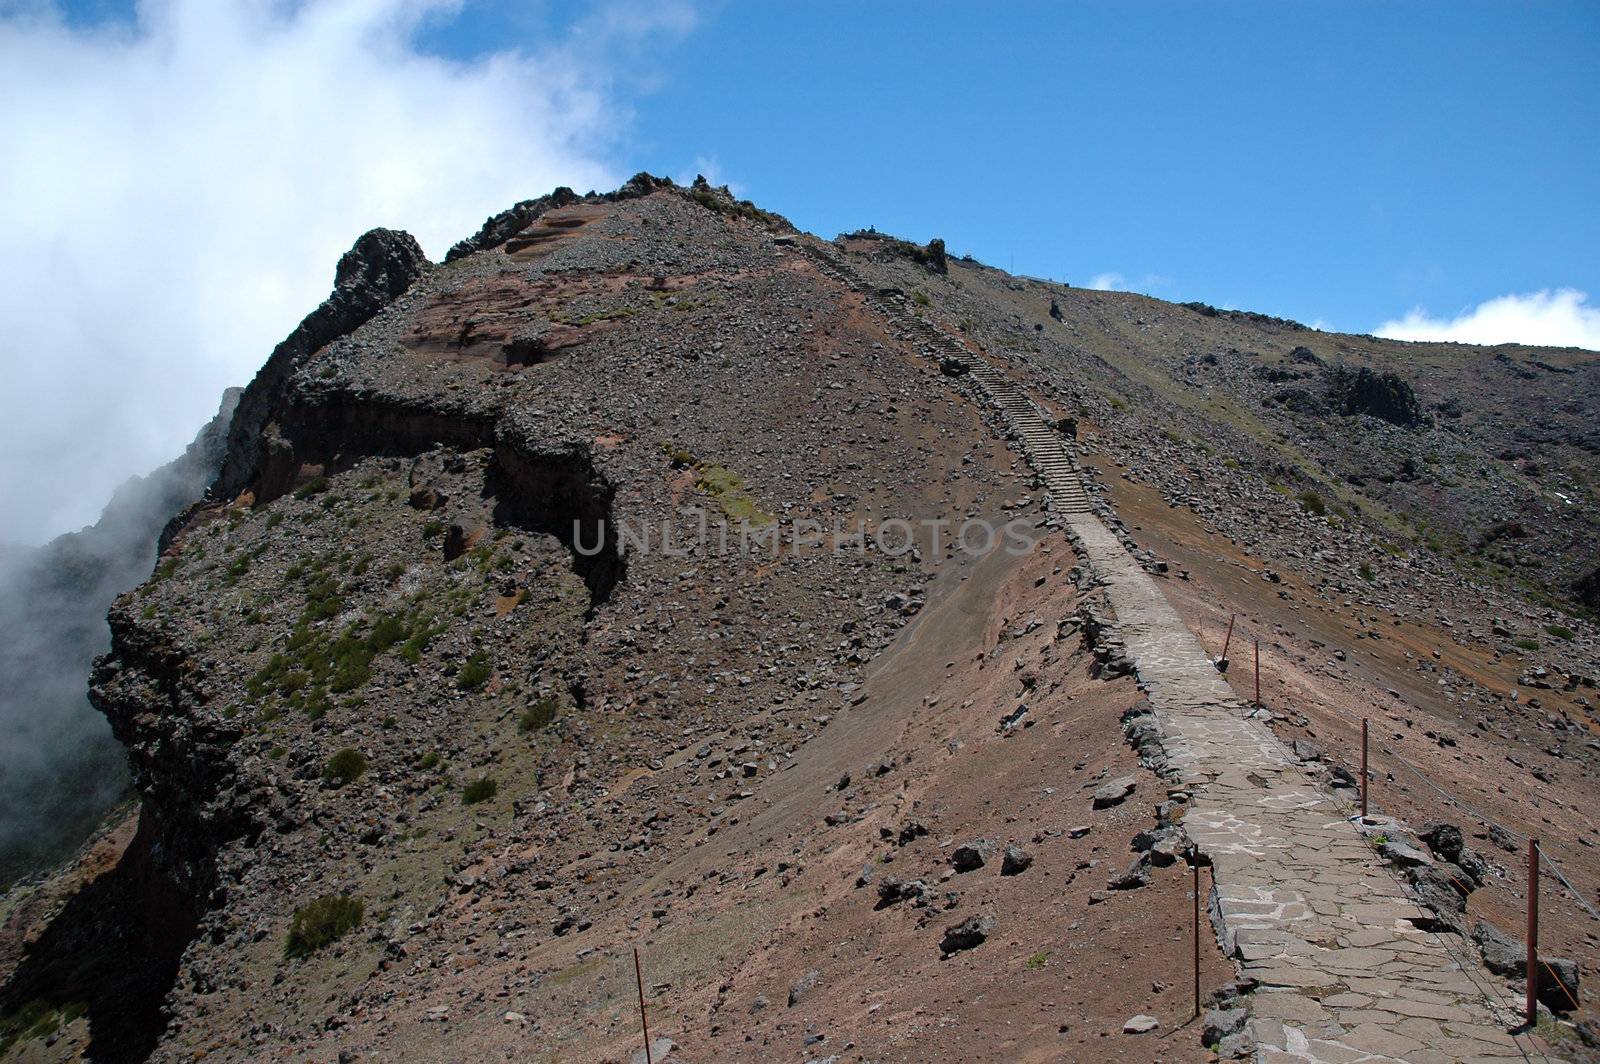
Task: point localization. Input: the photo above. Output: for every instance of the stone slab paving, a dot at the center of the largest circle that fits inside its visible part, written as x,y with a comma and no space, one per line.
1300,900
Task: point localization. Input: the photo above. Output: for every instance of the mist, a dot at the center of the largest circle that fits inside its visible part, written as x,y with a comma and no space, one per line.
60,767
178,189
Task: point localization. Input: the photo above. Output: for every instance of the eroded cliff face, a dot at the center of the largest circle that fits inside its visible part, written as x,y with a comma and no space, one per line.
446,639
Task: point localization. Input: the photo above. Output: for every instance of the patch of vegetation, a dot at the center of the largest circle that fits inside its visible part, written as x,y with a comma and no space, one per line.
1560,631
429,760
730,493
322,923
241,564
680,458
314,486
475,673
37,1019
315,664
720,201
1366,572
479,790
1038,960
537,716
1313,503
345,767
920,298
1523,643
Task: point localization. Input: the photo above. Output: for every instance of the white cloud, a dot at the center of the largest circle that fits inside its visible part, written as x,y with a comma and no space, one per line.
176,193
1559,318
1108,282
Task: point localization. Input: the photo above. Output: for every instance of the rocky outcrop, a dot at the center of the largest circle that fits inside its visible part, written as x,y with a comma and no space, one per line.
1386,396
154,695
377,270
1587,589
499,228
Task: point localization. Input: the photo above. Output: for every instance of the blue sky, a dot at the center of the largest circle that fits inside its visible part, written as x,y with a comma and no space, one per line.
1341,163
1426,170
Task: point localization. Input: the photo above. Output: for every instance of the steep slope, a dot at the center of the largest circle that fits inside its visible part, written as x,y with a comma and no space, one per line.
529,623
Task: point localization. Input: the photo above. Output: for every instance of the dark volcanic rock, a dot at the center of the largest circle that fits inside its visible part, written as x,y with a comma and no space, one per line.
968,934
1381,395
378,269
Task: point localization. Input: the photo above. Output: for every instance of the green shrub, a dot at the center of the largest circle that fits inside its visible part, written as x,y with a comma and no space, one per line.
539,715
314,486
1525,644
479,790
475,673
37,1019
1560,631
1366,571
1313,503
322,923
920,298
428,760
1037,961
346,766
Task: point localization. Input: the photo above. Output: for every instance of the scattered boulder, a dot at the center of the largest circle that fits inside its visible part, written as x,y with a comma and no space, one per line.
1016,861
1307,750
968,934
1140,1024
1115,792
1403,853
803,986
1441,887
1508,957
972,856
1136,875
911,831
1448,844
893,892
1220,1023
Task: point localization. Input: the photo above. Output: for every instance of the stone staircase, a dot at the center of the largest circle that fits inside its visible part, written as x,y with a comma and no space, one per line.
1347,967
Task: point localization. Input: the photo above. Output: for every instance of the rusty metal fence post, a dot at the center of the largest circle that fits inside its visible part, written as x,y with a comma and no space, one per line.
1196,939
1533,933
638,975
1363,768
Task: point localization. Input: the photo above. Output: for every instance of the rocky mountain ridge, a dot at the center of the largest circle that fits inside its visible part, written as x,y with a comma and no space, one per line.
422,742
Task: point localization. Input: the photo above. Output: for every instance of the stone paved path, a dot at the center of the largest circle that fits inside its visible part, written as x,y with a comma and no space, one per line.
1300,899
